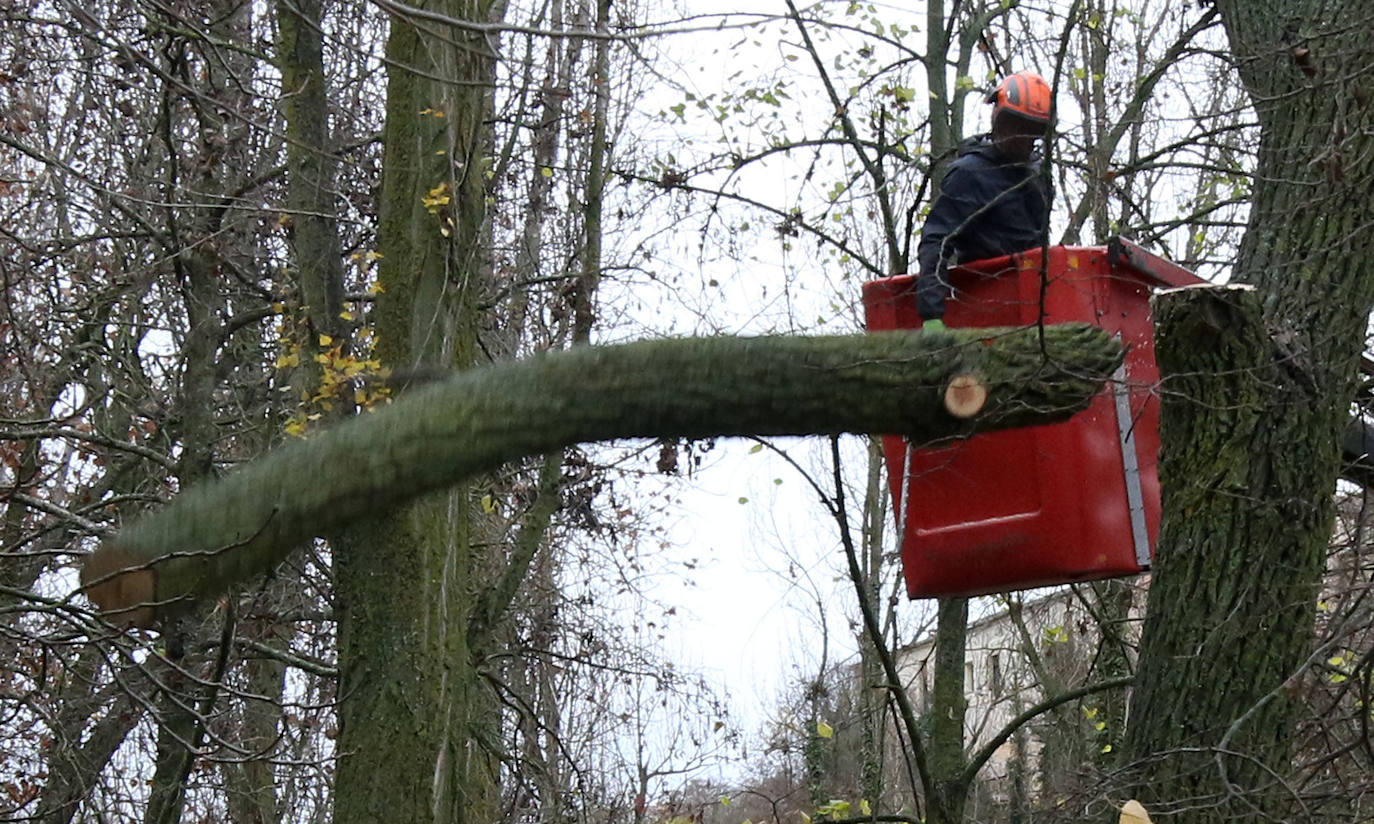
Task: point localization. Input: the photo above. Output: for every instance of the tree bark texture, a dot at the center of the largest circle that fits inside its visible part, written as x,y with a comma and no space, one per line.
892,382
949,705
1225,628
311,198
1256,394
414,720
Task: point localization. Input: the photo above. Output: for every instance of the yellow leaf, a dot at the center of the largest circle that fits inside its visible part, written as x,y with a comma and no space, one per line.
546,171
806,819
1133,812
824,730
488,504
864,807
326,340
1100,726
376,288
278,307
346,315
1107,748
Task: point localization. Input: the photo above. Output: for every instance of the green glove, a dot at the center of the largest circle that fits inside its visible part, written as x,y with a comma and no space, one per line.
933,325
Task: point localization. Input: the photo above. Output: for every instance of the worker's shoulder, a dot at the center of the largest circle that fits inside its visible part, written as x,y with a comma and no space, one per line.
974,154
977,146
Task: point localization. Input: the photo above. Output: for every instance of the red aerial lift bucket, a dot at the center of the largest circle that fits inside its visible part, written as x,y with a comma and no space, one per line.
1043,505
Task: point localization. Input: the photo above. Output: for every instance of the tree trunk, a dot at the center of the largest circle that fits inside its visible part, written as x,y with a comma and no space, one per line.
1258,388
872,703
948,707
414,720
948,704
1215,612
311,197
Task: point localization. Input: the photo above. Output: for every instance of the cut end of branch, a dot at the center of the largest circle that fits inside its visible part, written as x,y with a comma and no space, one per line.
121,586
965,396
1133,812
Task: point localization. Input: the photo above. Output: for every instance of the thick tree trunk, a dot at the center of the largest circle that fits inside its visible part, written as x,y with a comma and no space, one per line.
1225,628
1257,392
414,719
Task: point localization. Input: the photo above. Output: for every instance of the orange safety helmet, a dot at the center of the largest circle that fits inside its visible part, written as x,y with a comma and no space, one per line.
1024,94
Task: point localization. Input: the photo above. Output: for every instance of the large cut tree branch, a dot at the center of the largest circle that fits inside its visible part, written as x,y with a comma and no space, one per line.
897,382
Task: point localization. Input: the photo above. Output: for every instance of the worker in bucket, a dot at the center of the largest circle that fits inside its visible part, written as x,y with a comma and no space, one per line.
994,200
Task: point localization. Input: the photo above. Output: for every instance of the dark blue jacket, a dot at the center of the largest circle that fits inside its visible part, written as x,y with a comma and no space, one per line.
988,207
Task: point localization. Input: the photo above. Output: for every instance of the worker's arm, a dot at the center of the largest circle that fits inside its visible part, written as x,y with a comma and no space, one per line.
958,201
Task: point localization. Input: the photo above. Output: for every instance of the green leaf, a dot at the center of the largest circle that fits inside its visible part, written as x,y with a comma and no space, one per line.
824,730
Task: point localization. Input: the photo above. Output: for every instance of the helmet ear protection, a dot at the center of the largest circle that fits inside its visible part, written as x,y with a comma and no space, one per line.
1025,95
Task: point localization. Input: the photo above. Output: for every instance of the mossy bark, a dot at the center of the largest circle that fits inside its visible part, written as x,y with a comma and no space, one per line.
412,715
1231,601
697,388
1256,394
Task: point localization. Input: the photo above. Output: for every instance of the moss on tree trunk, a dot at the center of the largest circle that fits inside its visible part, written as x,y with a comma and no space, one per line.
1256,394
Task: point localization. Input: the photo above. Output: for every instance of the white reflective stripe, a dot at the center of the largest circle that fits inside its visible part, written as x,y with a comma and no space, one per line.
901,500
1130,463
